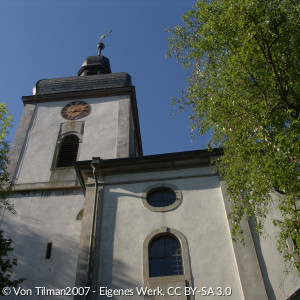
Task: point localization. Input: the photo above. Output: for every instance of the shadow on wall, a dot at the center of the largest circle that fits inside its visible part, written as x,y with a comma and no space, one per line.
121,279
262,264
57,272
30,244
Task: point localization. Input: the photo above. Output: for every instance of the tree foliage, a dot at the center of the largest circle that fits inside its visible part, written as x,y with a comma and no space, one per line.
244,86
6,263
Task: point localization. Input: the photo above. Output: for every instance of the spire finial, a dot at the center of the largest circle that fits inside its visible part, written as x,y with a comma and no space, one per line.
100,45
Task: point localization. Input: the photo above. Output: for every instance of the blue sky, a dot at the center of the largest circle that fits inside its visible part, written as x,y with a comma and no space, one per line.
48,39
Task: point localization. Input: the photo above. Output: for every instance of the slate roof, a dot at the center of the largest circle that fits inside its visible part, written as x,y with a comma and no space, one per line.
80,83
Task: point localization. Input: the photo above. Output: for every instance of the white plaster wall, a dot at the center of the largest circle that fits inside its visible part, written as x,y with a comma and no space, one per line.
99,138
41,218
201,217
279,285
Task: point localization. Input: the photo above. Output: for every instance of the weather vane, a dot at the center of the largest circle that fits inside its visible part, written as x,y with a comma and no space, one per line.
100,45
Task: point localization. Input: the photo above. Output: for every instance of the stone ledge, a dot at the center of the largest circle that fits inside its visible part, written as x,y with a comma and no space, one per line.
53,185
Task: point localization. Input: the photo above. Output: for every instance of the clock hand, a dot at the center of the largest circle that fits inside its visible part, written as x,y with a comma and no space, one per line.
69,113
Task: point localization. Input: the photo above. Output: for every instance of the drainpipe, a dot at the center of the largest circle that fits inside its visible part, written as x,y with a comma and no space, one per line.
96,166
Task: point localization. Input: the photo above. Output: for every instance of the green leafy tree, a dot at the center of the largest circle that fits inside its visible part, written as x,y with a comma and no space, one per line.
6,263
244,88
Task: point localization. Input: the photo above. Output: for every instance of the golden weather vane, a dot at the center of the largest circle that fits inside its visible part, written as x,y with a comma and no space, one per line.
100,45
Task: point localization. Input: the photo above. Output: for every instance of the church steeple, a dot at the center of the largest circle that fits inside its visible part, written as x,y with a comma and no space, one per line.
95,65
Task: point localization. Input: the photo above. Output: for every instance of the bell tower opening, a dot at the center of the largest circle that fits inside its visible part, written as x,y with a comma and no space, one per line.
68,151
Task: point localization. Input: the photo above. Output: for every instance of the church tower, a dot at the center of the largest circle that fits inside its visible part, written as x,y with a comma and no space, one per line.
65,120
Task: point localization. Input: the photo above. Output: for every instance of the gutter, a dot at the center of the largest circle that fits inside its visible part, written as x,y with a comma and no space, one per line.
96,166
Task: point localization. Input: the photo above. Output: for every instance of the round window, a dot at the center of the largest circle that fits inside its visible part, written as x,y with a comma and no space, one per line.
161,197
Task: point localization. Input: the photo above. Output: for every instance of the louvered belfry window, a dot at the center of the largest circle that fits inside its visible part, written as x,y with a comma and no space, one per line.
68,151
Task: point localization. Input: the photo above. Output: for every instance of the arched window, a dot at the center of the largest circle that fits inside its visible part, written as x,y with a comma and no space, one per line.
68,151
165,258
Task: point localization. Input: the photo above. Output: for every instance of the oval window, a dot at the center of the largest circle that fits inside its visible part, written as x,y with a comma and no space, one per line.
161,197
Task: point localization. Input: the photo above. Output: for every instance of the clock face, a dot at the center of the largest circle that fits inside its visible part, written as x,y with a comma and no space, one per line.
76,110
